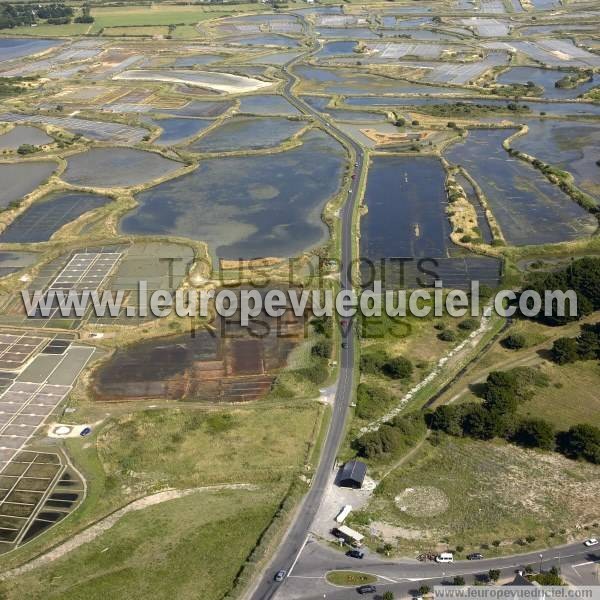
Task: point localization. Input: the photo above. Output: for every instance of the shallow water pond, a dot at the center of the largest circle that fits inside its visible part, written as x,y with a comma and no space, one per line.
348,81
177,130
545,78
406,218
199,59
247,133
528,208
570,145
406,200
269,39
266,104
17,47
45,217
23,134
250,206
116,167
19,179
198,108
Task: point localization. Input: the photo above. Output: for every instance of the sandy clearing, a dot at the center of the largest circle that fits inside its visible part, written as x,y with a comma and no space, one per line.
220,82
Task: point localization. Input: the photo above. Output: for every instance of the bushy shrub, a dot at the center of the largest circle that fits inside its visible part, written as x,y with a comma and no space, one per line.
514,341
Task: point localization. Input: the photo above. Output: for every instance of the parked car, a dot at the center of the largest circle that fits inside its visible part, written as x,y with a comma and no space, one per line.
280,575
475,556
85,431
366,589
591,542
444,557
355,554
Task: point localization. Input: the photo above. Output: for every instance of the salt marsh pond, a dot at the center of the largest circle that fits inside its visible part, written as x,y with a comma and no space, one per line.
18,180
247,133
23,134
250,206
545,78
45,217
570,145
529,209
116,167
177,130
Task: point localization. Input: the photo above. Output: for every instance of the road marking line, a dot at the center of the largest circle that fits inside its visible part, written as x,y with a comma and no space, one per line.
298,556
591,562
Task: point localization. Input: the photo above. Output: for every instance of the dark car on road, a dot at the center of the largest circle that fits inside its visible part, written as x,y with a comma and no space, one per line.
355,554
366,589
279,576
475,556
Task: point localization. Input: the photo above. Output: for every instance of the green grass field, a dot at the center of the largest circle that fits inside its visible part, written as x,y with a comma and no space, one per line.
52,30
185,32
572,396
457,491
188,448
181,548
146,30
162,14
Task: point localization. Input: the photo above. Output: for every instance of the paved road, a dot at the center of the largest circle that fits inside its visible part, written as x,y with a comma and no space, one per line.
297,534
405,577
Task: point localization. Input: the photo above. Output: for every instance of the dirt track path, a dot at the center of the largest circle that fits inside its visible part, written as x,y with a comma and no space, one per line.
92,532
411,452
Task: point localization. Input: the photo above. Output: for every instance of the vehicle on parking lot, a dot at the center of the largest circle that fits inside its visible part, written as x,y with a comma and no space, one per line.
475,556
280,575
444,557
366,589
355,554
591,542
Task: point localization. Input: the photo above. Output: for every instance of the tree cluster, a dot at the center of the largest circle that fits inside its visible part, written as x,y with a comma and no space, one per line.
372,400
586,346
378,362
398,434
503,393
582,276
16,15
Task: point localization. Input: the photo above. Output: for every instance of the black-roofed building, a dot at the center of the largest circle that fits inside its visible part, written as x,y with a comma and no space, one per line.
353,474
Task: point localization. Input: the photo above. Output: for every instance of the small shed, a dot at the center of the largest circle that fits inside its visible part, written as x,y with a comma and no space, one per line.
353,474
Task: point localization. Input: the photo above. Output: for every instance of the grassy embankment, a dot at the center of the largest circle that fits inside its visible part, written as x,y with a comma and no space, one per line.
205,537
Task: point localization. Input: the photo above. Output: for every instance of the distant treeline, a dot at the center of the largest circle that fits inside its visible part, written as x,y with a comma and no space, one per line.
18,15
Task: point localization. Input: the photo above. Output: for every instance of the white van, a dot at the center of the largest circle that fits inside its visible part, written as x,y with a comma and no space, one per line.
445,557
